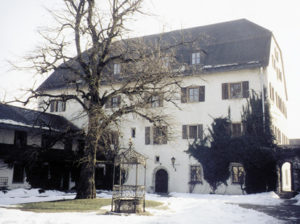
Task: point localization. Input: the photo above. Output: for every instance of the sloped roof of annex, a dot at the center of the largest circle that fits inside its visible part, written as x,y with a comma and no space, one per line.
17,118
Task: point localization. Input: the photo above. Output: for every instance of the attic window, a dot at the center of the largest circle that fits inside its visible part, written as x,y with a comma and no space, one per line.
196,58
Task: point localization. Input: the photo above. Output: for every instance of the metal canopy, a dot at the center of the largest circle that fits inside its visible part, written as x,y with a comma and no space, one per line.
130,156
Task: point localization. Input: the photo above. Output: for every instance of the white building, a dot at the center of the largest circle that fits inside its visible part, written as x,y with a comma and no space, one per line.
230,59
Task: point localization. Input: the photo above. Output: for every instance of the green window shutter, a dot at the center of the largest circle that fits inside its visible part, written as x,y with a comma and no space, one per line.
245,86
108,103
184,132
183,95
119,100
200,131
224,91
147,135
164,135
201,93
161,100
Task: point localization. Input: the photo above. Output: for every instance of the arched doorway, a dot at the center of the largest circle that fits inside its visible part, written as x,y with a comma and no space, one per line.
286,177
161,181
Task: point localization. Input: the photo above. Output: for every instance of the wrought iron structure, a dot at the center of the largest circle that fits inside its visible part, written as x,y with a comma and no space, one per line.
129,198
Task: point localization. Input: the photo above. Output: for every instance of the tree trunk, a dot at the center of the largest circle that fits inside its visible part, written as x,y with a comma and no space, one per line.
86,186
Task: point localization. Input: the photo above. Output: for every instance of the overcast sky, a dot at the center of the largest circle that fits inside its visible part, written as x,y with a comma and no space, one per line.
20,19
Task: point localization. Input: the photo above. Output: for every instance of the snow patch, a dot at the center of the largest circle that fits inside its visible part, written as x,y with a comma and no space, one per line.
297,197
12,122
178,208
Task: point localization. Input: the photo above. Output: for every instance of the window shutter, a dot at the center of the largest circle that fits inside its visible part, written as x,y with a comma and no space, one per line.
183,95
164,135
147,100
52,106
63,106
56,106
184,132
224,91
119,100
245,86
147,135
201,93
161,100
108,103
200,131
156,137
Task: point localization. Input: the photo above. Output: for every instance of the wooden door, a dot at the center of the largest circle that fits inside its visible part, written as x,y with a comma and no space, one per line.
161,181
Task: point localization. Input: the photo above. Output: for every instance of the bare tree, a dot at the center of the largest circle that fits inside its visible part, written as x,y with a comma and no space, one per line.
109,76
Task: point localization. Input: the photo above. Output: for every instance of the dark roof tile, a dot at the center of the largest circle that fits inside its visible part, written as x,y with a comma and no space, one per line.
12,116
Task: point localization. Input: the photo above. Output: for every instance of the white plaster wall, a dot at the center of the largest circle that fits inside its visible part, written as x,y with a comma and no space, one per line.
278,118
74,111
188,114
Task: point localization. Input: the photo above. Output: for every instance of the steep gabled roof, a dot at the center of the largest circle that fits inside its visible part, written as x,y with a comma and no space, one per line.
12,117
233,45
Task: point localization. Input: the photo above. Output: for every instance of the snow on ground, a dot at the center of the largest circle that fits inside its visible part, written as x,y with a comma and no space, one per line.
181,208
298,199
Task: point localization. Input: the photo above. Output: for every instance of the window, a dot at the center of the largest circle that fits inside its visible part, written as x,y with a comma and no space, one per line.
113,102
193,94
155,100
18,173
57,106
114,138
235,90
3,182
117,69
157,159
237,174
133,132
236,129
196,58
192,131
196,176
20,139
159,135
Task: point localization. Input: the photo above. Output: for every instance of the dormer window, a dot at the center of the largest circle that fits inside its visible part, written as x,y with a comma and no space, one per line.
117,69
196,58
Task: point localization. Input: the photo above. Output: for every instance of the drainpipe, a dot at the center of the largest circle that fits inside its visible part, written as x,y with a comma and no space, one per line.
262,94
